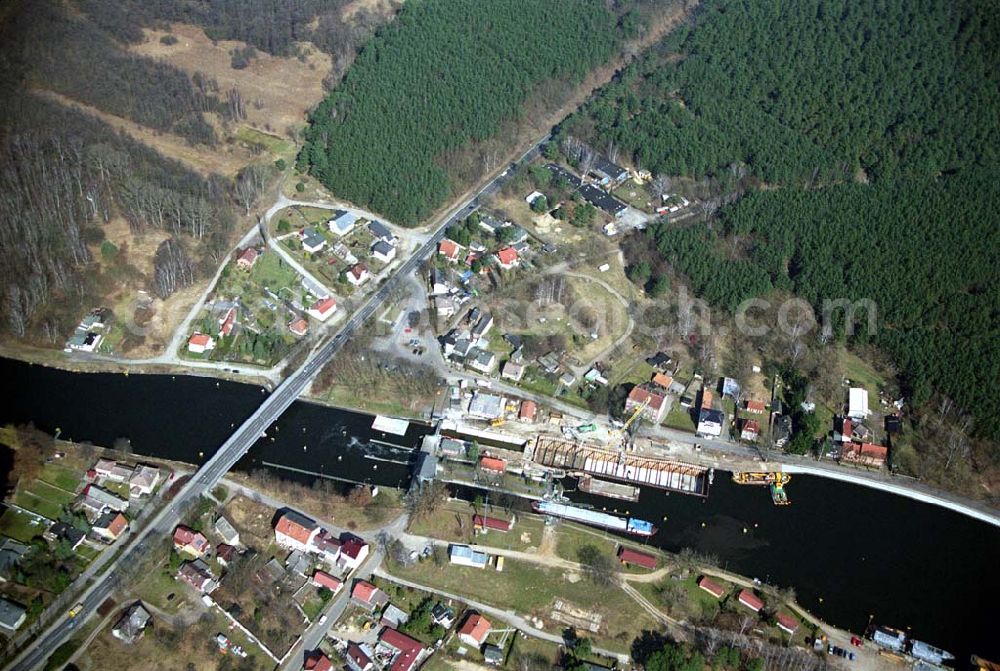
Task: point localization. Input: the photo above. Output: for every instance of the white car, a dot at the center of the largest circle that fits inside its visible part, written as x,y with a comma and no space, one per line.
322,619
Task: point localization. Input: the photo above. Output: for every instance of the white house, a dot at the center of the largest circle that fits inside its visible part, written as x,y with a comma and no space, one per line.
322,309
383,251
710,422
463,555
312,240
353,552
144,480
857,403
358,274
295,531
342,223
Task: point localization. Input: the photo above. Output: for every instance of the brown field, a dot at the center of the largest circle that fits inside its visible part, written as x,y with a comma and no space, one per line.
278,91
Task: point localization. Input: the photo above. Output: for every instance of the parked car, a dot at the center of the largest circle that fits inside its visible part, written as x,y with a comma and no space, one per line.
856,642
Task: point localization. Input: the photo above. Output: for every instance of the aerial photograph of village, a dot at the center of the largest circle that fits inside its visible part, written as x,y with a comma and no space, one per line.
458,335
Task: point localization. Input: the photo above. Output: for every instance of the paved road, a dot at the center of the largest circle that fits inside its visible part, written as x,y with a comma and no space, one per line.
247,434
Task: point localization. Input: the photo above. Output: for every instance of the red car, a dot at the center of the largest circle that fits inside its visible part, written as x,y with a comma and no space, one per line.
857,642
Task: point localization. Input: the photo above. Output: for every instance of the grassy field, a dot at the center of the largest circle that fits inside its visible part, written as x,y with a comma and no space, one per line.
679,418
531,590
61,477
860,373
19,525
37,504
280,147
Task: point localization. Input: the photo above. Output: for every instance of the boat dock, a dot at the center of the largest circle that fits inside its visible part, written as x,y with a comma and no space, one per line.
622,466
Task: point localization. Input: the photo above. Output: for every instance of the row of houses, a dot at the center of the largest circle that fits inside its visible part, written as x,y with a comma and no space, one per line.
142,479
750,601
201,343
295,531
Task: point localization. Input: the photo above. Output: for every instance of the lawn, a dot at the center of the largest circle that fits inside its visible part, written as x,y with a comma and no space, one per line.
529,589
157,588
860,373
447,524
36,504
20,526
632,370
273,273
280,147
60,476
680,418
695,602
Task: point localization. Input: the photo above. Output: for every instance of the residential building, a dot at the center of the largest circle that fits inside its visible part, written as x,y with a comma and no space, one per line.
299,327
197,574
707,398
445,306
394,617
11,553
227,323
187,540
710,423
324,579
225,553
494,464
298,562
786,623
353,552
12,615
110,526
83,341
653,403
630,557
439,283
781,430
482,360
507,258
463,555
295,531
342,222
450,250
404,652
381,232
312,240
843,429
750,600
483,326
756,407
322,309
750,430
594,375
493,655
662,380
327,546
317,661
857,403
713,588
443,615
603,200
105,498
112,470
383,251
609,173
484,523
474,630
864,454
60,531
358,274
199,343
132,624
358,659
341,250
368,596
528,411
143,480
247,258
486,406
227,531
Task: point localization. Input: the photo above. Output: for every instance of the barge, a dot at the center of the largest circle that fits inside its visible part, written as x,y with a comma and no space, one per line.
628,525
613,490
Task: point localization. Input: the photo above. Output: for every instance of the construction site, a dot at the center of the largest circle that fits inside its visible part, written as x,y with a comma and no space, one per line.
622,466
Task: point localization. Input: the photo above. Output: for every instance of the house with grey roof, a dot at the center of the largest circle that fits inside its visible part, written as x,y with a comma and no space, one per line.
132,624
381,232
312,240
342,222
12,615
227,531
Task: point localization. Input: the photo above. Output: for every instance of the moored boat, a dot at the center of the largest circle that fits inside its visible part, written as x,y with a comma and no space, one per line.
629,525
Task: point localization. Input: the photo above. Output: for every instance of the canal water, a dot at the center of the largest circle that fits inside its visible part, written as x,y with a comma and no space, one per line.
849,552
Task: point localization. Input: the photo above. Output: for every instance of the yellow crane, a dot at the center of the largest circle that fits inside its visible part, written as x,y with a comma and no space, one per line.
635,415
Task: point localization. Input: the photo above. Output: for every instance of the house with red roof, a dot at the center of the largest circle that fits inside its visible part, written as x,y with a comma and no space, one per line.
197,574
353,552
653,402
756,407
450,250
494,464
225,553
508,258
368,596
247,258
528,411
324,579
786,623
864,454
484,523
750,429
358,274
713,588
474,630
295,531
317,661
843,429
189,541
322,309
662,380
227,323
199,343
358,659
750,600
405,652
631,557
299,326
110,525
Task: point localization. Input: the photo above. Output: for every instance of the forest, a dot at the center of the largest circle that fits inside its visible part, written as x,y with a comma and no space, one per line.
442,75
873,132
